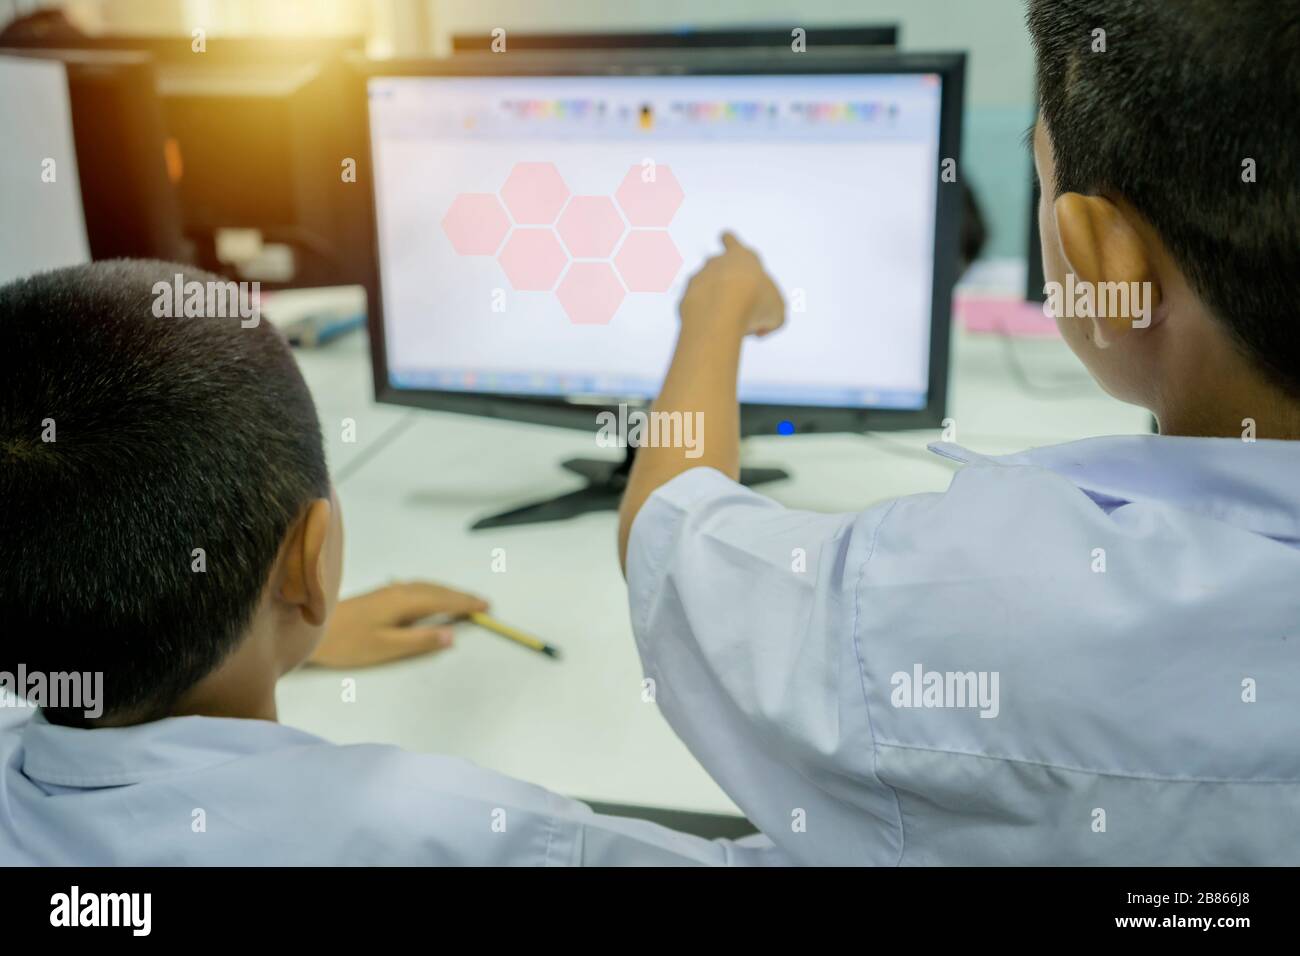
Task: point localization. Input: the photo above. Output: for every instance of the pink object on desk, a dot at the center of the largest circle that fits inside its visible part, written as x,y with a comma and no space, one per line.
1003,315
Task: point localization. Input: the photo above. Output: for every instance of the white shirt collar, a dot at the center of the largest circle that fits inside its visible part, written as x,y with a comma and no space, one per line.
116,756
1252,485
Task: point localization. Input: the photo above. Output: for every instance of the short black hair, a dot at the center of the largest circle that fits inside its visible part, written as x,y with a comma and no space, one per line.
170,435
1185,92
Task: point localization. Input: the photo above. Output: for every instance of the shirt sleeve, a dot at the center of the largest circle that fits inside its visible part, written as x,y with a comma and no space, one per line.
605,840
744,614
414,809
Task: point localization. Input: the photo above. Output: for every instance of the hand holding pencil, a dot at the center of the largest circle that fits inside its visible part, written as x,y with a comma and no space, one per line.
393,622
406,619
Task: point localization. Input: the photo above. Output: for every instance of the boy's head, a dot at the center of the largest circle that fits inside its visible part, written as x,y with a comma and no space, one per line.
1168,149
165,508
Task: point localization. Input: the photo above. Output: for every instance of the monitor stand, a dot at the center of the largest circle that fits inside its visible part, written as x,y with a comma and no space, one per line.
606,481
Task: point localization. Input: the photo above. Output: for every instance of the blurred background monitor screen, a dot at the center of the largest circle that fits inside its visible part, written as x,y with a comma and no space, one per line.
535,233
40,197
119,178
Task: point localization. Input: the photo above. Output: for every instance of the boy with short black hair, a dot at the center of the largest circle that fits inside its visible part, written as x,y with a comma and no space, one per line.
1077,654
168,529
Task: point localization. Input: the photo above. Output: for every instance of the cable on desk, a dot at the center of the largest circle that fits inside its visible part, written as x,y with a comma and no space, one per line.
386,438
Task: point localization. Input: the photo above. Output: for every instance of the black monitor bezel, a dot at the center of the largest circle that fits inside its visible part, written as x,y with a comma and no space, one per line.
754,418
693,38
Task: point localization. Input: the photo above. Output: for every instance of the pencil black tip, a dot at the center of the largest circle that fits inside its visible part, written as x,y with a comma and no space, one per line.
550,651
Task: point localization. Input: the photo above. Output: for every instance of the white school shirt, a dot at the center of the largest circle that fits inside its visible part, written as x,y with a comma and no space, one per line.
1136,600
223,791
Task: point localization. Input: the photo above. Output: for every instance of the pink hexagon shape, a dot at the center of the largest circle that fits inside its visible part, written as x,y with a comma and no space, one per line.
648,260
534,193
590,293
650,203
476,224
533,259
590,226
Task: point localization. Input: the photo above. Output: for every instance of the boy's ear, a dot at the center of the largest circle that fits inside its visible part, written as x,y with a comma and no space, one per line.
1101,244
304,566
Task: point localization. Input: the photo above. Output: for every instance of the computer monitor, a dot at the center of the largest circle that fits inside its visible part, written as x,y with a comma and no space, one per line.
41,226
974,232
683,38
128,199
257,138
537,217
263,148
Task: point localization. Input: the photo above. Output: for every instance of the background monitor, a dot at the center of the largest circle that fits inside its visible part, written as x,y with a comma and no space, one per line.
258,129
827,163
683,39
128,199
263,148
39,193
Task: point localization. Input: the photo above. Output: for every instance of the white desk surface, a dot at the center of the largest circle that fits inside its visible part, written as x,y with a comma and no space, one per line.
579,726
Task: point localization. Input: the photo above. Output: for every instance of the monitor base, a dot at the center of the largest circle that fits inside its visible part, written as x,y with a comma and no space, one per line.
606,481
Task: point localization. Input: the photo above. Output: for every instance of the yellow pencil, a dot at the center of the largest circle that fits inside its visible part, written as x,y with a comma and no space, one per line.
490,623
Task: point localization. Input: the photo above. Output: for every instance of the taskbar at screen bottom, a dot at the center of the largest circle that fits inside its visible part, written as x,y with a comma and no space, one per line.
561,386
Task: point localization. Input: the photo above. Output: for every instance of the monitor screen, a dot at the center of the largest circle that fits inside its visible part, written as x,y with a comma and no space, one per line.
39,190
535,233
